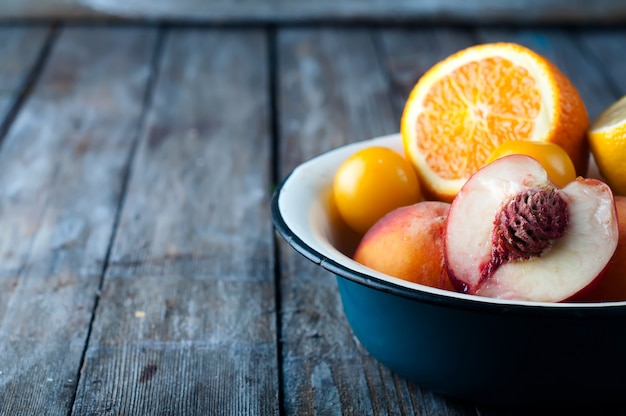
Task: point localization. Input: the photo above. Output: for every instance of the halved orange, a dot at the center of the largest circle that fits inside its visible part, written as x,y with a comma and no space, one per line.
466,105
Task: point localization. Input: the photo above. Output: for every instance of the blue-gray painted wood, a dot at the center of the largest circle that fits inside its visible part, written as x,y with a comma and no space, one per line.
144,279
61,168
280,11
186,319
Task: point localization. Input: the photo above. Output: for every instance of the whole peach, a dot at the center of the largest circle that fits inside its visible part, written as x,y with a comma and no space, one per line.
407,243
612,286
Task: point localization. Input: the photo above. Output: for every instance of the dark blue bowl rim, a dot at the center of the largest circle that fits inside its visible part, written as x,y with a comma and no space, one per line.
582,310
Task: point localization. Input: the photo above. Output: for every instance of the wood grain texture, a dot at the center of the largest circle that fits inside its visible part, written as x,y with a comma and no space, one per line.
528,11
153,266
61,167
20,48
606,48
333,90
186,319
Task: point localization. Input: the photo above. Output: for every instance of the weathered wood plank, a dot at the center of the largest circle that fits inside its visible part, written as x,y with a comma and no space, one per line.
20,48
495,11
62,166
186,320
330,94
606,48
333,90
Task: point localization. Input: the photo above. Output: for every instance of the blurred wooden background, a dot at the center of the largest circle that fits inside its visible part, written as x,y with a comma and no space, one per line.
281,11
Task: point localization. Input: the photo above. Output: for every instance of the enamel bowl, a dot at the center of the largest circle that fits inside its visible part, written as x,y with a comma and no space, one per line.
485,351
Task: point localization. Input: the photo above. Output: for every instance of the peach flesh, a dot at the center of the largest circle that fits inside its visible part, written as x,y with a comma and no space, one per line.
562,272
407,243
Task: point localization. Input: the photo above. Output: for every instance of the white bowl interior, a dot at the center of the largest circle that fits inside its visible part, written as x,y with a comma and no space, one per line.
307,208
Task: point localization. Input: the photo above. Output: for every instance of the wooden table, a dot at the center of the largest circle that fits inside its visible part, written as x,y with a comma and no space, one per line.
139,269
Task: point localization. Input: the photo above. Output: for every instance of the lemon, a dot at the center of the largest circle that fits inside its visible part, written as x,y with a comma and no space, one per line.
607,141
